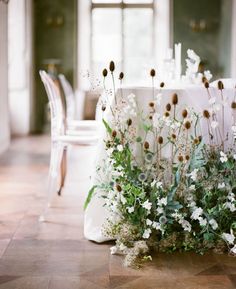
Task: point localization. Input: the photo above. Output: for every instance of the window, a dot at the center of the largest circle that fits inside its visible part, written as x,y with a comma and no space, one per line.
123,31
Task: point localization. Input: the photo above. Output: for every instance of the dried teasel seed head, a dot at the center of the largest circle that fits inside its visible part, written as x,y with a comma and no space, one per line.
129,122
199,138
152,72
180,158
103,108
187,157
233,105
104,72
206,114
220,85
162,84
146,145
112,66
196,141
166,114
118,187
184,113
114,133
160,140
168,107
206,84
151,104
173,136
150,117
175,99
204,79
187,125
121,76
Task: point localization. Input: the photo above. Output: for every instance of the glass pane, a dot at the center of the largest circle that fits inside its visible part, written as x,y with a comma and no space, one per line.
106,1
106,37
138,43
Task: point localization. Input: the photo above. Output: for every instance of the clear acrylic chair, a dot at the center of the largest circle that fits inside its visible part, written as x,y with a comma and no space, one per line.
60,139
71,122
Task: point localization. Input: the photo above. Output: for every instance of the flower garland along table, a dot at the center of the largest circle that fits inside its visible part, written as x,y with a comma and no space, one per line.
166,173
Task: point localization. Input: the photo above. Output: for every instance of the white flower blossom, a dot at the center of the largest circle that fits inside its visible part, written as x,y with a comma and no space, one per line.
156,225
196,213
193,174
148,222
202,221
160,210
228,238
186,225
130,210
110,151
147,233
147,205
221,185
192,188
213,224
223,157
162,201
230,206
120,148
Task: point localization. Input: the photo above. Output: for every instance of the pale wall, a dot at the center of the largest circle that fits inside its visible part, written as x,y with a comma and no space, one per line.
4,121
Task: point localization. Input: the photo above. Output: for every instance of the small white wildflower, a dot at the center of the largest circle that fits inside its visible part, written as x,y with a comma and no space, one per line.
130,210
160,210
193,174
156,225
120,148
147,205
186,225
162,201
148,222
196,213
221,185
147,233
223,157
192,188
213,224
230,206
110,151
202,221
228,238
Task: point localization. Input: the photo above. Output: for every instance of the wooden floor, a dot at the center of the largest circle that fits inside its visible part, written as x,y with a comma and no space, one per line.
55,254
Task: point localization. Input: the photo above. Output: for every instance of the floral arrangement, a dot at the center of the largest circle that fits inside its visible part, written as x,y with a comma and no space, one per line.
167,186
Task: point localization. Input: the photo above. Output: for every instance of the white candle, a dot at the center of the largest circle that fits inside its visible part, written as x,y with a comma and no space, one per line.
178,61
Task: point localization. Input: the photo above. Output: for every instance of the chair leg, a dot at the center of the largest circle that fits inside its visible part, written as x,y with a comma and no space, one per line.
63,170
55,161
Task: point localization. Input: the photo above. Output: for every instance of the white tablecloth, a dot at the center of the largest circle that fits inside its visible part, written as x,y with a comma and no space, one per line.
192,96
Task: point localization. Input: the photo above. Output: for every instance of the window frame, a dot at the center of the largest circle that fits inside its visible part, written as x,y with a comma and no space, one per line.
122,5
